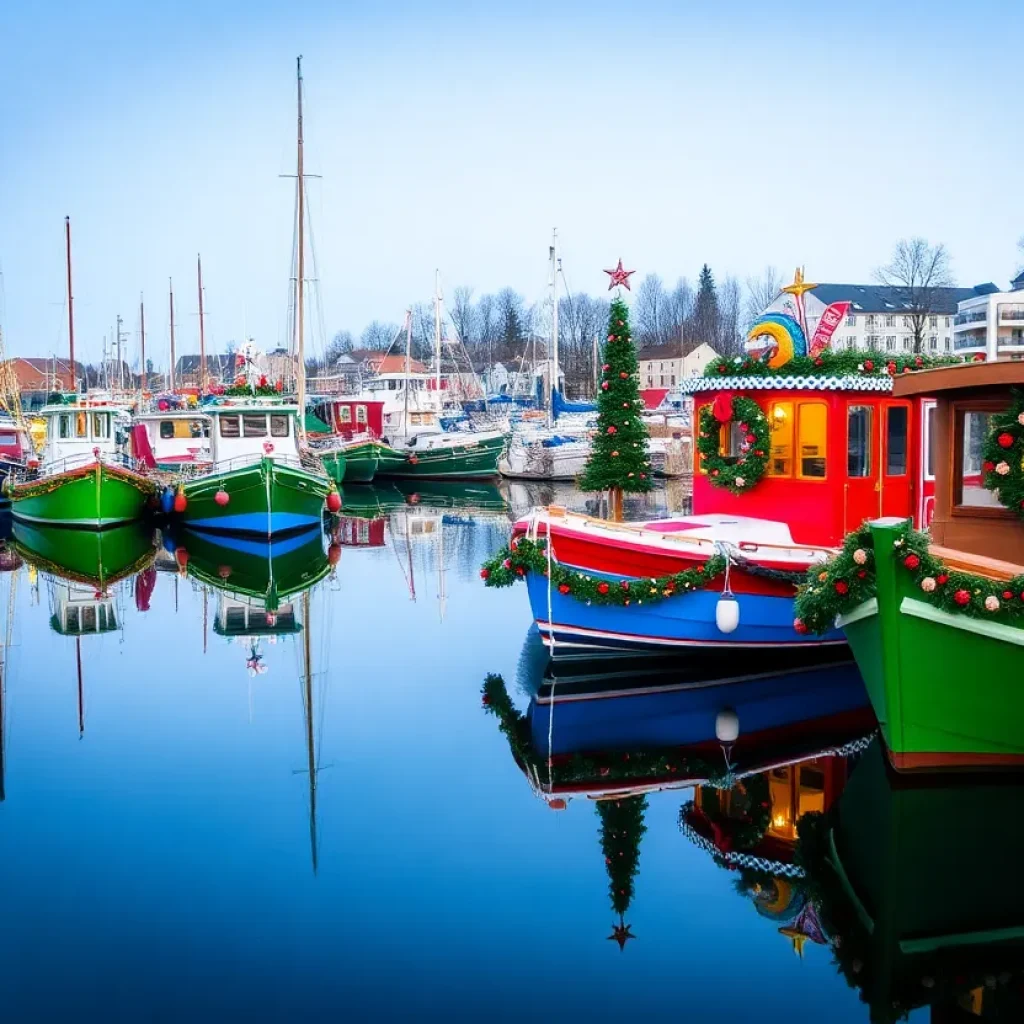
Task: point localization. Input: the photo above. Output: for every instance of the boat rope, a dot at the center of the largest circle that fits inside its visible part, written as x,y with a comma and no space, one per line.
752,568
551,640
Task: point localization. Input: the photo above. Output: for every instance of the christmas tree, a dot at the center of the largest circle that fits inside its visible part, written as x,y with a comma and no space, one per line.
622,828
618,456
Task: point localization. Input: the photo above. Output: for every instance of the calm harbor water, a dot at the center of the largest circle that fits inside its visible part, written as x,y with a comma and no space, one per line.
169,855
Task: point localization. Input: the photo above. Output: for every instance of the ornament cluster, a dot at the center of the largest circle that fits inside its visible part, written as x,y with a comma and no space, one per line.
830,364
741,472
1002,466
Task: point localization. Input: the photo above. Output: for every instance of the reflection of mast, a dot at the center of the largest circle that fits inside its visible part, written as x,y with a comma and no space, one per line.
442,597
3,686
408,551
310,750
81,692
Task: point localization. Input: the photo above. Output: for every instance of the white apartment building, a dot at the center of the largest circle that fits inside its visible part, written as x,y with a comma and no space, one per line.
664,366
877,318
992,323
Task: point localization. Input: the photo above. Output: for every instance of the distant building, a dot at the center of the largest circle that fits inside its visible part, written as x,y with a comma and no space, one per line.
992,323
39,378
878,317
372,362
664,366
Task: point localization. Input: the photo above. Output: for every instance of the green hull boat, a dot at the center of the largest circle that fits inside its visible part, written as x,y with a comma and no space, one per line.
96,558
365,501
459,460
265,498
479,496
945,687
352,463
93,497
335,464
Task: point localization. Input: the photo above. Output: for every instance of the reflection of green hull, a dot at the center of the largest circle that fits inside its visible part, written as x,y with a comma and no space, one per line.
95,496
365,501
481,495
270,570
98,558
919,881
462,461
265,498
945,688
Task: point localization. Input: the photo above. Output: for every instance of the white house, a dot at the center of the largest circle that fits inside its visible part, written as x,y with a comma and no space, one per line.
992,323
664,366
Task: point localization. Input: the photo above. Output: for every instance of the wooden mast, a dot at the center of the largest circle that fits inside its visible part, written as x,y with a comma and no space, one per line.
71,306
142,342
301,269
202,333
170,376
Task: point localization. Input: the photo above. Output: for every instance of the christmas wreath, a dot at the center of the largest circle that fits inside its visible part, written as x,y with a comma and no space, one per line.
1003,456
737,473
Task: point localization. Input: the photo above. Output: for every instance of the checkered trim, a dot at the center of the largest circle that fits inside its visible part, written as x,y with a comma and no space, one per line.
694,385
742,860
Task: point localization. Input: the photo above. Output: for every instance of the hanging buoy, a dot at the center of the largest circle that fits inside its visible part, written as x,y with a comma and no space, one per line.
224,571
558,804
413,460
222,498
413,499
727,612
334,502
334,554
167,500
727,726
180,501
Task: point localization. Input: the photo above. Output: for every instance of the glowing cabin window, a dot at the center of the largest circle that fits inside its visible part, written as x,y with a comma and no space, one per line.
81,425
812,440
781,422
858,441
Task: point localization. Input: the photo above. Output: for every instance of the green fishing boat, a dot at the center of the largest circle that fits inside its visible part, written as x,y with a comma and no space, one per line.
334,462
916,890
84,481
258,485
95,558
471,495
458,456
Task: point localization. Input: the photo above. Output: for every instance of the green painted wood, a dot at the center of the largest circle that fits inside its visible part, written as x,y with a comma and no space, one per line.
95,497
95,557
463,461
361,461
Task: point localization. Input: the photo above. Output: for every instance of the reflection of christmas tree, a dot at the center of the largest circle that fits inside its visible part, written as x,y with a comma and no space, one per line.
622,827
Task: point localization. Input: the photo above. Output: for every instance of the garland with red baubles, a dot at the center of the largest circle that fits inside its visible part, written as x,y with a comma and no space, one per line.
1002,467
737,474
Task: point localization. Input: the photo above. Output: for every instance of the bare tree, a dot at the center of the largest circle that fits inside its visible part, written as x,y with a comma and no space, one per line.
915,274
487,328
730,341
341,343
378,336
463,315
651,312
761,293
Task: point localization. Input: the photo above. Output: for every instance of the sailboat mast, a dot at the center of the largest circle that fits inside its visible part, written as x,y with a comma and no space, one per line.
170,289
202,331
310,749
120,363
554,318
408,355
300,272
142,341
71,306
437,332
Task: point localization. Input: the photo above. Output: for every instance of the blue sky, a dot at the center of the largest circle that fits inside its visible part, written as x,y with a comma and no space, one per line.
456,135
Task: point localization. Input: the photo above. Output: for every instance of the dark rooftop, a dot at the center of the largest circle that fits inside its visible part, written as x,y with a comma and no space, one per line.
877,298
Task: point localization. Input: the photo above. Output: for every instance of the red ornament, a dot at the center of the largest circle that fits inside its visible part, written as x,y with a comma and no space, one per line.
941,579
222,497
602,588
919,362
485,700
224,571
485,574
862,574
819,361
612,430
1005,440
643,476
1007,595
988,467
962,597
180,502
623,375
520,571
606,367
891,367
722,407
279,386
722,368
841,586
624,585
507,564
744,429
604,385
800,626
181,556
611,337
619,276
563,588
911,561
750,439
869,365
263,380
615,455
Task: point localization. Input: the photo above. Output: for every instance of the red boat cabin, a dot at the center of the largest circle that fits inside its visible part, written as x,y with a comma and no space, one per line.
351,416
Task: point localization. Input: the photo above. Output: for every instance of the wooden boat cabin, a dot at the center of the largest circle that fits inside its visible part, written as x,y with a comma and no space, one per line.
350,417
968,516
81,610
170,440
77,431
841,452
253,429
15,442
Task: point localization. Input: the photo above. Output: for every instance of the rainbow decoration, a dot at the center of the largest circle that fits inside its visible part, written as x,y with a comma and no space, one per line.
787,338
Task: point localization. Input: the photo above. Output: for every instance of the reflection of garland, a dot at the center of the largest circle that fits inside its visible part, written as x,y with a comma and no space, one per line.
1003,455
622,828
838,585
830,364
847,580
523,556
736,473
617,766
731,832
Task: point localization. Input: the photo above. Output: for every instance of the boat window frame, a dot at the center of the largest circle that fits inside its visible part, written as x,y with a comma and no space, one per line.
344,414
262,417
234,418
277,419
63,426
164,424
81,425
799,457
362,414
868,473
887,411
958,411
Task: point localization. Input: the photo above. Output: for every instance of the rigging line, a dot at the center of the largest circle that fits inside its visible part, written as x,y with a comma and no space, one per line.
320,344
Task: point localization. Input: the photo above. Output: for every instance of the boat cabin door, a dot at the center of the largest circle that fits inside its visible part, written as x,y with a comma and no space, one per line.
878,478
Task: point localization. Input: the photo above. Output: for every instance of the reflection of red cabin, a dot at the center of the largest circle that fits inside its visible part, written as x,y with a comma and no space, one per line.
354,532
837,458
351,416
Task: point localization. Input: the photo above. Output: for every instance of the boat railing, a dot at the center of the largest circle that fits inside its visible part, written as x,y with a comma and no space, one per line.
27,473
309,463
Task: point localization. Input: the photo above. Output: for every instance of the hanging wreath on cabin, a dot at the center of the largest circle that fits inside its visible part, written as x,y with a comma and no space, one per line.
1002,467
737,473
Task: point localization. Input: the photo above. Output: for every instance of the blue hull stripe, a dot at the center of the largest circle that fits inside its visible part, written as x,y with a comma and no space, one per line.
261,523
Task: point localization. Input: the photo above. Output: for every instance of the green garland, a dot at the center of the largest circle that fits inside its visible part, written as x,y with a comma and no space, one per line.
848,579
244,391
736,473
830,364
837,586
513,562
745,832
1003,455
610,767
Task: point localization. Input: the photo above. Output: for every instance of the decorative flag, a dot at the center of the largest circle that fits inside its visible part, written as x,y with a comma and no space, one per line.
830,320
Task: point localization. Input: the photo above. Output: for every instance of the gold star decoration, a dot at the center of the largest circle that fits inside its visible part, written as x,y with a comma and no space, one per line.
799,285
621,934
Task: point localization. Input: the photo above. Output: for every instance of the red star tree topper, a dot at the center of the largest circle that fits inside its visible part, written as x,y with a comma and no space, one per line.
619,276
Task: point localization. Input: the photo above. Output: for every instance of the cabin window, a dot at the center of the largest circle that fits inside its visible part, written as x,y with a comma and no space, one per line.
81,425
929,448
234,619
166,429
88,618
254,425
8,440
858,441
896,440
64,429
229,426
345,414
360,414
974,429
99,425
812,438
278,425
781,422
